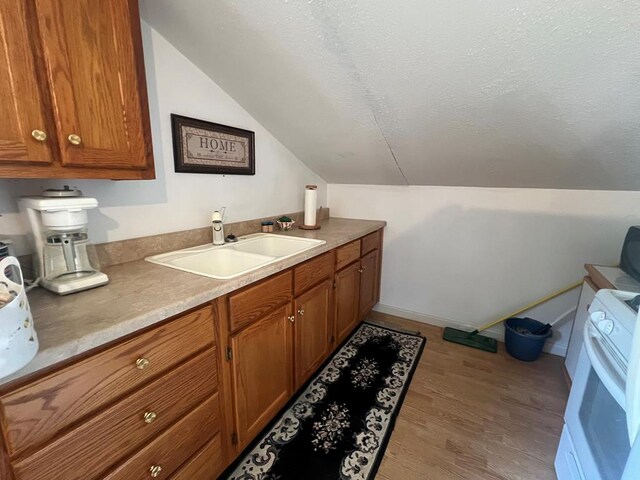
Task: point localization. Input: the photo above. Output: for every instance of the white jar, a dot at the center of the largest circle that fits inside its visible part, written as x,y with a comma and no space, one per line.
18,339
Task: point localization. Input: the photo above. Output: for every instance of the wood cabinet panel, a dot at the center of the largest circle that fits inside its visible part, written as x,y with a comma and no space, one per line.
80,454
371,242
21,96
225,391
204,465
368,283
254,302
312,330
35,413
5,467
347,293
93,56
312,272
262,368
347,254
174,447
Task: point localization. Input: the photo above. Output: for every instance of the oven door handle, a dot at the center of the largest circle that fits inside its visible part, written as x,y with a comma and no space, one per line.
633,389
609,375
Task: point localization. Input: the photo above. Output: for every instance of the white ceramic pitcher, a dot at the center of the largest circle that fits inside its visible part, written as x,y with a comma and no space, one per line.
18,339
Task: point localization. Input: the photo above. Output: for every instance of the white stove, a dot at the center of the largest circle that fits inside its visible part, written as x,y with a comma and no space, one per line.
596,439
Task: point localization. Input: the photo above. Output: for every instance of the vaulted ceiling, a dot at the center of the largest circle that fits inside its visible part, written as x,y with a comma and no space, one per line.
502,93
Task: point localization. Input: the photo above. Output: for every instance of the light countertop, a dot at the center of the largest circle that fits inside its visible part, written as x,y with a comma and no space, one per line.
140,294
612,277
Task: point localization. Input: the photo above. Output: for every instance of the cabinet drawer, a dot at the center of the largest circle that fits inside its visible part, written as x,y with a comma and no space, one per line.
347,254
174,447
312,272
38,411
93,447
254,302
370,242
204,465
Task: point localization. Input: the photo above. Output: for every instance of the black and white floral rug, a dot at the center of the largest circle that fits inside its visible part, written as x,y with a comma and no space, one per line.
338,427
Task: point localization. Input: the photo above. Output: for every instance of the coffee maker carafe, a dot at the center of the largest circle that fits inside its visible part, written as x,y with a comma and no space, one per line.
59,221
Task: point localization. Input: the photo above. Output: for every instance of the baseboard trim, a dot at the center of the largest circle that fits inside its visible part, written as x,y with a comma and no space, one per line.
496,332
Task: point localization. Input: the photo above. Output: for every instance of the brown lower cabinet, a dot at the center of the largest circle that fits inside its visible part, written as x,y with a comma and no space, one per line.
368,294
262,371
313,330
181,400
347,295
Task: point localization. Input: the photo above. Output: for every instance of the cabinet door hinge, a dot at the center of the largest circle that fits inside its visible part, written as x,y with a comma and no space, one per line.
234,438
335,284
229,353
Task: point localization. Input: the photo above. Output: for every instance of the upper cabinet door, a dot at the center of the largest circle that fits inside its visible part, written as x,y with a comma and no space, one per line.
93,56
24,135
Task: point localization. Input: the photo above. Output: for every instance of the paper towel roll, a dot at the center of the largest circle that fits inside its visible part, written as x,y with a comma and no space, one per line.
310,202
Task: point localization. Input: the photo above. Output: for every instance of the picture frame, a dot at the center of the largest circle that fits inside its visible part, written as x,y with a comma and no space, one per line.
200,146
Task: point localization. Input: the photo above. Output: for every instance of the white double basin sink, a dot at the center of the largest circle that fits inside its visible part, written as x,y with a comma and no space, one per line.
233,259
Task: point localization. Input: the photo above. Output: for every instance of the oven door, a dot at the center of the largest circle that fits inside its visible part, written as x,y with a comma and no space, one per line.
595,416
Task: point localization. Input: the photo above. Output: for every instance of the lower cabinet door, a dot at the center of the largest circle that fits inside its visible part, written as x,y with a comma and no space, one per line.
368,282
262,371
346,300
312,330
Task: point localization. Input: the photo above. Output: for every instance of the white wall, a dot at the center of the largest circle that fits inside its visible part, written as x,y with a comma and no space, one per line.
470,255
179,201
500,93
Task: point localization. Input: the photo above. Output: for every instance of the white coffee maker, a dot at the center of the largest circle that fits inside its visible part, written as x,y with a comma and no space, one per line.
58,222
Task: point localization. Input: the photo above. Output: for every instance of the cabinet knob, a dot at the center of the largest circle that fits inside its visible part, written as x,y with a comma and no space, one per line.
74,139
361,270
150,417
142,363
155,471
301,312
292,318
39,135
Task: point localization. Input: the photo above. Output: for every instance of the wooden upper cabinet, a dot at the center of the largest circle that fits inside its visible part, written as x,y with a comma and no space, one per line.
93,56
24,134
73,90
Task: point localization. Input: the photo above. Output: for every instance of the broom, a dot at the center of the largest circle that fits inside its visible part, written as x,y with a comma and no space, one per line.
488,344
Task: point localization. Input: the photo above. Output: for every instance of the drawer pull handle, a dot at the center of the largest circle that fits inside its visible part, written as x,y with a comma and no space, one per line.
155,471
292,318
301,312
142,363
150,417
74,139
39,135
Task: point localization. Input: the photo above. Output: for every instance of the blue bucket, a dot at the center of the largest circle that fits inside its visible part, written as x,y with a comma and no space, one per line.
520,344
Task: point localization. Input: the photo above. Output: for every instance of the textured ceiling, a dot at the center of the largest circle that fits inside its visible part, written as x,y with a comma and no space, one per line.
503,93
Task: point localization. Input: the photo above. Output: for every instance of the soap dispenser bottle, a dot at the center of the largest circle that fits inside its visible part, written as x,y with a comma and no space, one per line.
218,227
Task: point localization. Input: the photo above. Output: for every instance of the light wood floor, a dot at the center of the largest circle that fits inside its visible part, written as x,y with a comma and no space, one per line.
470,414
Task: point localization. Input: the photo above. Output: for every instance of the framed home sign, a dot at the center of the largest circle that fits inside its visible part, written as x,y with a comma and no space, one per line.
205,147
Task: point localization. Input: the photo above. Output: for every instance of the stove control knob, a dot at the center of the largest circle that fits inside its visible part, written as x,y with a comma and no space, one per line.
606,326
597,316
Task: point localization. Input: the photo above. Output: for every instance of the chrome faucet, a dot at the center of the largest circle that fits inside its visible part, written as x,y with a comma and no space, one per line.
218,228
